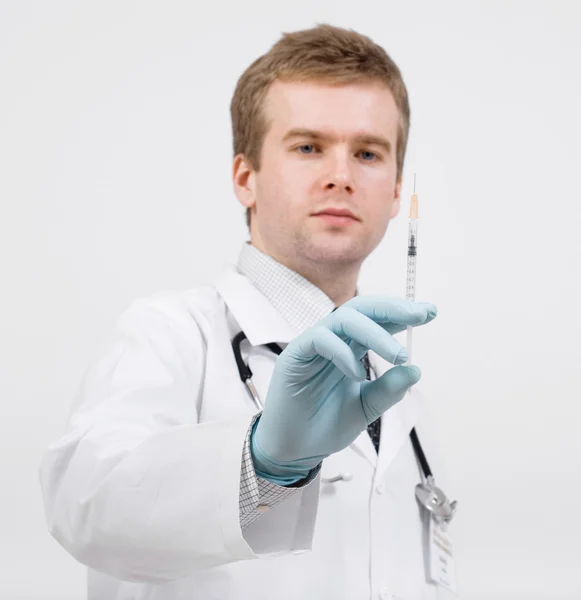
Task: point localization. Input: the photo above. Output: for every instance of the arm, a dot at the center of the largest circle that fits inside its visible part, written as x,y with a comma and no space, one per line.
137,488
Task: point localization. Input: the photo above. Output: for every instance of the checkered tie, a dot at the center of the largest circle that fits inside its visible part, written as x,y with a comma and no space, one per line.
374,429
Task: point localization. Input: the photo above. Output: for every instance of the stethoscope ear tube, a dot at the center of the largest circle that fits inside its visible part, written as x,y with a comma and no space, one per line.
253,393
243,368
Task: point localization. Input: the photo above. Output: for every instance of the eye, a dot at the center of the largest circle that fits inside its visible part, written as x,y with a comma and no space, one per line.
368,156
310,148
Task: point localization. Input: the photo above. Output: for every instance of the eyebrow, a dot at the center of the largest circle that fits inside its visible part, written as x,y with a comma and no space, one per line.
364,138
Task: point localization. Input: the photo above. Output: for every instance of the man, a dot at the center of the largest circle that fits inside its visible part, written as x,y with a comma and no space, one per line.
171,482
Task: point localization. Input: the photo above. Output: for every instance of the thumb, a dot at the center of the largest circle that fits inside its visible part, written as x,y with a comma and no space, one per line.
380,395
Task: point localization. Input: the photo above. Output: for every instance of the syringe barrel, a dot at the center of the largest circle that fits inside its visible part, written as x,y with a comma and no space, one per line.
410,292
413,237
410,288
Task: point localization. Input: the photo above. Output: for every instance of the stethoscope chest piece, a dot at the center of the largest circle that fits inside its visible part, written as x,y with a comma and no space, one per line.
434,500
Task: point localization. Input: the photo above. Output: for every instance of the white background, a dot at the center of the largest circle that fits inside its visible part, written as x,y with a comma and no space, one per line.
115,152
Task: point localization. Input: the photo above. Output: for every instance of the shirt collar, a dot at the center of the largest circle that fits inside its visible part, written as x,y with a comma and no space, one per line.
300,303
270,302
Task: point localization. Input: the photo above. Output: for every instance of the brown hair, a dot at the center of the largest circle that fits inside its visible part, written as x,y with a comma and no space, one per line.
324,53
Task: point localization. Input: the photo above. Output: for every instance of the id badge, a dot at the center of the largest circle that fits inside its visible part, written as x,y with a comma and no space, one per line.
441,557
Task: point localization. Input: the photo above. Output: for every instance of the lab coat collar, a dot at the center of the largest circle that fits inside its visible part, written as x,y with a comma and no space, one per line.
396,425
257,317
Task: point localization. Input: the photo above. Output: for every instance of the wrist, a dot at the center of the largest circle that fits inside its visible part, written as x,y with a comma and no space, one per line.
286,473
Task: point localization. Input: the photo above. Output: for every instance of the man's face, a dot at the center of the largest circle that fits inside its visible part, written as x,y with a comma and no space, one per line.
326,148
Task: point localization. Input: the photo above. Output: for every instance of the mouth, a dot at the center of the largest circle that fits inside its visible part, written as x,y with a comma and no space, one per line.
337,216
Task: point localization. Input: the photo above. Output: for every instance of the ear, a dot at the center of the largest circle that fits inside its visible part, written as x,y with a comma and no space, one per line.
243,178
396,201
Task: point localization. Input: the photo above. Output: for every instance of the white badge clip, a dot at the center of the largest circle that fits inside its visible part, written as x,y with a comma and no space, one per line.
440,513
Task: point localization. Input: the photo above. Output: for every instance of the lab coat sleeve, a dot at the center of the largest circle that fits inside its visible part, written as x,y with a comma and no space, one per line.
137,488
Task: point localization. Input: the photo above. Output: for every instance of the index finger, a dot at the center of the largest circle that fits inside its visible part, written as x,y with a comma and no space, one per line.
389,310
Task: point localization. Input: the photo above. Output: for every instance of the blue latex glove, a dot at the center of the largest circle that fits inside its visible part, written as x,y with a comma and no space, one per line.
318,400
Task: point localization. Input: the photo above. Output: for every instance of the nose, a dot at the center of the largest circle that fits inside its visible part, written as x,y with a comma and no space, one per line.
339,174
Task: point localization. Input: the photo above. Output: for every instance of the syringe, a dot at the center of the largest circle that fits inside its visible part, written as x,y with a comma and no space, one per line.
410,290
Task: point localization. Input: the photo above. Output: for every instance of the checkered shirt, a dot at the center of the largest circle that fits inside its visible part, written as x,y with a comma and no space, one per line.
302,305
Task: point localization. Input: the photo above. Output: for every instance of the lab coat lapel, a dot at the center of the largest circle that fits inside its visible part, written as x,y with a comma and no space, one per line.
397,422
255,315
396,425
365,448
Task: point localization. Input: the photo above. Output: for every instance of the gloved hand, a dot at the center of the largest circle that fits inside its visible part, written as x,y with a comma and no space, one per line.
318,400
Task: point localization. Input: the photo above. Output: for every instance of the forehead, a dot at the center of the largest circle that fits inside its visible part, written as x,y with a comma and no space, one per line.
343,108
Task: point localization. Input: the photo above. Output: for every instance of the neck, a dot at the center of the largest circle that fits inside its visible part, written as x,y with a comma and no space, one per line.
338,280
339,284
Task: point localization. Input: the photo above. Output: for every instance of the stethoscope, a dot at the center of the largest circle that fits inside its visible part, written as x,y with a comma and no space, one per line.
428,495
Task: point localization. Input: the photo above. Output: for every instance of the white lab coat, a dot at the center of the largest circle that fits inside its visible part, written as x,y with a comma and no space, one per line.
144,486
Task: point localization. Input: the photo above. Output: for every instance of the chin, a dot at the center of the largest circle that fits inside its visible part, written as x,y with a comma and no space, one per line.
338,251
